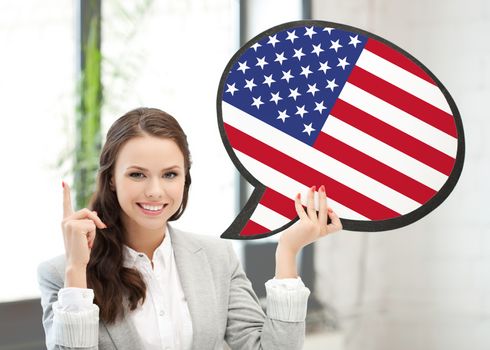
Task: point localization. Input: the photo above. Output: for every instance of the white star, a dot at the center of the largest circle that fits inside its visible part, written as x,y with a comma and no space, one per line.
292,36
305,71
331,84
324,67
250,84
301,111
335,45
282,116
287,75
273,40
256,46
317,49
320,107
312,89
275,97
243,66
308,128
231,89
294,93
310,32
343,62
328,29
257,102
261,62
298,54
280,58
268,80
354,40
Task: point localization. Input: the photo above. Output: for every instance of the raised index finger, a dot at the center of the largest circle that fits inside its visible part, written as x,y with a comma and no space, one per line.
67,208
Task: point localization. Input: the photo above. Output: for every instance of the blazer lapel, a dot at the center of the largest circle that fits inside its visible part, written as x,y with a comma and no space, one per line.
198,286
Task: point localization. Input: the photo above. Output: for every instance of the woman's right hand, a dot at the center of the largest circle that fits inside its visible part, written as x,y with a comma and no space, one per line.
79,229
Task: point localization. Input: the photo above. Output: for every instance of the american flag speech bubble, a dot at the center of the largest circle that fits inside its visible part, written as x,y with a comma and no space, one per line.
310,102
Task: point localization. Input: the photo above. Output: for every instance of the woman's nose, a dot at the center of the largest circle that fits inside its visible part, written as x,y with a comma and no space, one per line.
155,189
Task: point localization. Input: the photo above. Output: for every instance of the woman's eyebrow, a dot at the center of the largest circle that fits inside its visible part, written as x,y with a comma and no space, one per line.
144,169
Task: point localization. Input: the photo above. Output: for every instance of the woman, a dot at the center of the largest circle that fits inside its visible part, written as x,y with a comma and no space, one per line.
129,280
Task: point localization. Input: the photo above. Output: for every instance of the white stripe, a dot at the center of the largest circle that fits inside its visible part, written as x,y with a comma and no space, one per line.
384,153
318,160
268,218
403,79
399,119
289,187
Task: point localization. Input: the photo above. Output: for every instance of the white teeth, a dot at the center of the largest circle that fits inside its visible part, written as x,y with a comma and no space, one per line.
150,207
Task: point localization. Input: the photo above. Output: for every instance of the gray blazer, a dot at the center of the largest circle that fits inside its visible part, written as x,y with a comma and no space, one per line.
221,301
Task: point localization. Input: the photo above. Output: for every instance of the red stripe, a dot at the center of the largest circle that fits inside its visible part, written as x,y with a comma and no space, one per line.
253,229
278,203
403,100
393,137
373,168
307,176
397,58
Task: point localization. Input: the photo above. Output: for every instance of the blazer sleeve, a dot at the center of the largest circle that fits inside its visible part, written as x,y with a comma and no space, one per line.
65,329
249,328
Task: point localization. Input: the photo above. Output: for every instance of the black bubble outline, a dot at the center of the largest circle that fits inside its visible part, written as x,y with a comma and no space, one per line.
233,231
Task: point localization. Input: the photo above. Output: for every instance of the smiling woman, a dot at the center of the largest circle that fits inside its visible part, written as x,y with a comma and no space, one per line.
129,280
141,197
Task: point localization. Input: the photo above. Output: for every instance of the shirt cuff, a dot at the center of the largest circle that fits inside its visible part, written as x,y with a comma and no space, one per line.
76,329
287,283
287,299
75,299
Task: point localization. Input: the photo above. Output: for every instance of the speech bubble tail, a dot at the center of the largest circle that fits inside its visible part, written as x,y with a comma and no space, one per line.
266,213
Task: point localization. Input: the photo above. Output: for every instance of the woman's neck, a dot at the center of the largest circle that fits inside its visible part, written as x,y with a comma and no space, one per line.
145,242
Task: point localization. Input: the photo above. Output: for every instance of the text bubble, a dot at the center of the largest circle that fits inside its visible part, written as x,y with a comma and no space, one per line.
318,103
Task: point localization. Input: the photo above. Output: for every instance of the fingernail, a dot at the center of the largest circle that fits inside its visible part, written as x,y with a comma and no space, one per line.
63,184
322,188
330,210
298,196
313,188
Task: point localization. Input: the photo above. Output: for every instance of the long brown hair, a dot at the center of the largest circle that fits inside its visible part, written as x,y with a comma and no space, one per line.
106,275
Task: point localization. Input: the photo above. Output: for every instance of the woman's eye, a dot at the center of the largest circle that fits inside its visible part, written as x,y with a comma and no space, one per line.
170,175
131,175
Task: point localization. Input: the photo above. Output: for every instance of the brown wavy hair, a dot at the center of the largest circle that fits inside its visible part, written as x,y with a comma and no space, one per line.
106,275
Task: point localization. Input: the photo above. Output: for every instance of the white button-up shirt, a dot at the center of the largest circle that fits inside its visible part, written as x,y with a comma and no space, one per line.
163,321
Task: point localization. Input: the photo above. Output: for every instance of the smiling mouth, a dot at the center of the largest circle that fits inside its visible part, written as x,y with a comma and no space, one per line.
152,212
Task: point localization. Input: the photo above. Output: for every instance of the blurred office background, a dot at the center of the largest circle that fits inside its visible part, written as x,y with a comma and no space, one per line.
425,286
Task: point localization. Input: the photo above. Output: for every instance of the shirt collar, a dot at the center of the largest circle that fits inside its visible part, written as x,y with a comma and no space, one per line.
163,252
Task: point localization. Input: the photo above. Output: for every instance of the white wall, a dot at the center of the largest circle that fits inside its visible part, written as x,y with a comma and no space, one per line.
425,286
37,65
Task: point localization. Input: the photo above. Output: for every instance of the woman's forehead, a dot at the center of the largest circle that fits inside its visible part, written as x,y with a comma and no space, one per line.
150,152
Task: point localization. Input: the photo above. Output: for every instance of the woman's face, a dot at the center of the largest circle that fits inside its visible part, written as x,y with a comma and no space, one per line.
148,171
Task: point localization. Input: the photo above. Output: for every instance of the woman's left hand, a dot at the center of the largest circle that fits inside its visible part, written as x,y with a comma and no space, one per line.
311,226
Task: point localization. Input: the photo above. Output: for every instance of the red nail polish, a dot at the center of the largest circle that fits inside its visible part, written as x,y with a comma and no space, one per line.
298,196
63,184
